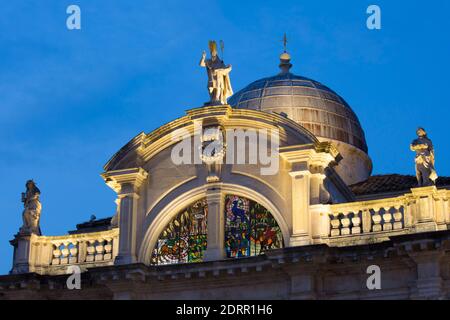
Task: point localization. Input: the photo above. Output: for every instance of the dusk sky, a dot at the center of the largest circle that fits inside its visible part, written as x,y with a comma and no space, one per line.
70,99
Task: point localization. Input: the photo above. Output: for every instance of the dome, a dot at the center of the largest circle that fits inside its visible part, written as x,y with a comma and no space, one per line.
314,106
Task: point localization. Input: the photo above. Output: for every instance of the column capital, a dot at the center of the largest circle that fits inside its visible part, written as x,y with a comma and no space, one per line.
118,179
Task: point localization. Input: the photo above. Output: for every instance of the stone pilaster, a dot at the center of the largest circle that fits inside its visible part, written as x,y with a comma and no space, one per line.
303,285
216,223
308,164
429,283
127,183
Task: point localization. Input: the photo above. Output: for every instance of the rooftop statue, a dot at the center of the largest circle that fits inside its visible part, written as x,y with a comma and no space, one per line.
32,209
219,85
425,171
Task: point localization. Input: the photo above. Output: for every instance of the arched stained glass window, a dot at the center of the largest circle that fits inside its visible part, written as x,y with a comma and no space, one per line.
184,239
250,229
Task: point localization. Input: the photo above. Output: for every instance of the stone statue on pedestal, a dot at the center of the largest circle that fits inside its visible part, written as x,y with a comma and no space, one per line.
219,85
425,171
32,209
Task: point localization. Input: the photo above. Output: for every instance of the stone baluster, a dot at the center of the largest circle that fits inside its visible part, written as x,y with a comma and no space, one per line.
376,219
335,223
73,252
99,249
356,222
387,219
65,253
345,222
90,250
108,249
56,254
398,217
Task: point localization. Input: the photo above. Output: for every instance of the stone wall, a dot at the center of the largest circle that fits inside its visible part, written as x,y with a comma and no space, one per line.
412,267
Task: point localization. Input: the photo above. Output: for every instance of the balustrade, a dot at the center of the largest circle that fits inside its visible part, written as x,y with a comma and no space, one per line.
90,249
365,217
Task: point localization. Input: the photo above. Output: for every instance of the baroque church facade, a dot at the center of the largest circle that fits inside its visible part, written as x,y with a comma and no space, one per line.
212,227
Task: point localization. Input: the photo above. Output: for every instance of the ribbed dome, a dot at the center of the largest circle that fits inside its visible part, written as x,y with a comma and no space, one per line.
308,102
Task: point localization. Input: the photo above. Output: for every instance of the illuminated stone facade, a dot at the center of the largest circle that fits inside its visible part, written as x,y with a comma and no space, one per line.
220,230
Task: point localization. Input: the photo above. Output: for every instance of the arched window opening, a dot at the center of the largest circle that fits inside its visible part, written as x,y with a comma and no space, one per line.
250,229
184,239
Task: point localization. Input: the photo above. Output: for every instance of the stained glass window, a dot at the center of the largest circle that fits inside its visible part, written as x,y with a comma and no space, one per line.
184,239
250,229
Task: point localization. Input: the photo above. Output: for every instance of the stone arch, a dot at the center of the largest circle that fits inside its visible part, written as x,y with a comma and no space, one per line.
170,211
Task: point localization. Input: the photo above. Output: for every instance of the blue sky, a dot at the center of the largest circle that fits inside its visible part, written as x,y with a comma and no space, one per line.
70,99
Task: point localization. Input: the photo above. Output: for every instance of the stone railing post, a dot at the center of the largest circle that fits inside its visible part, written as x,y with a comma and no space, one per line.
441,201
320,222
22,252
82,251
425,213
127,183
366,220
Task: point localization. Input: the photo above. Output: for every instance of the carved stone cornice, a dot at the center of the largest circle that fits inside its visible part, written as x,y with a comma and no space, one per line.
117,179
304,157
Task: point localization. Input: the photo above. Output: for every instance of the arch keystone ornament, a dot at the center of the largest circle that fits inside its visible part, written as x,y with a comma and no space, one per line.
127,182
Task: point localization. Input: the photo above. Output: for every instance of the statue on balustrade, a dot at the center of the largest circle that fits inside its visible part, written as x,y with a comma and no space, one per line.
219,85
32,209
425,170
